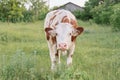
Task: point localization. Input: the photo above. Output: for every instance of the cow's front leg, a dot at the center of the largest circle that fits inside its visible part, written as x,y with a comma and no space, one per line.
53,61
53,51
53,57
70,54
57,56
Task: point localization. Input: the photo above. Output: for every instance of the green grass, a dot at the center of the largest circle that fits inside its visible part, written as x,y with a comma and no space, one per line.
24,54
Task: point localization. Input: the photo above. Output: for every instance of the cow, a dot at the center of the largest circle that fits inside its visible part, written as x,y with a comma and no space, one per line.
61,30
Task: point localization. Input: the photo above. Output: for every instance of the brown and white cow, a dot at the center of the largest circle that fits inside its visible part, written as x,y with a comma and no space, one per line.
61,31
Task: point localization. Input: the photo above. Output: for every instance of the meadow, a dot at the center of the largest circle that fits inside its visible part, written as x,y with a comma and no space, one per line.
24,53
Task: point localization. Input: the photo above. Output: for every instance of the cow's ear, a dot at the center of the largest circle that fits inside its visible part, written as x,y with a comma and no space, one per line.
78,31
50,31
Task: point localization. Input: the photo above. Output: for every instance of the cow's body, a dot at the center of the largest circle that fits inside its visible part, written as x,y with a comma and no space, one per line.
61,31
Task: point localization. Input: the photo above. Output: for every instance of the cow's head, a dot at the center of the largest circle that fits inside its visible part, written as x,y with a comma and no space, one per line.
65,35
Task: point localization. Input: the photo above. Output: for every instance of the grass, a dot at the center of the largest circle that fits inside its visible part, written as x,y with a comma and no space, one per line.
24,54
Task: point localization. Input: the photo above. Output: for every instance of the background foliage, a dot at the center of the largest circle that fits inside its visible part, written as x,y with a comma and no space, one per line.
115,17
105,12
15,10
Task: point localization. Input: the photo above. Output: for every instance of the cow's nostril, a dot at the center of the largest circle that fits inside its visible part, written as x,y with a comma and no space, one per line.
65,45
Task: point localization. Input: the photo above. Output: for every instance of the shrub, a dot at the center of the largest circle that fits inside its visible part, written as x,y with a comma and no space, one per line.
83,15
43,13
101,14
77,14
115,17
11,11
28,16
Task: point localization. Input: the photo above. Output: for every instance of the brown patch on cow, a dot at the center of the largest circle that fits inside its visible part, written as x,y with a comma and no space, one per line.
55,12
47,34
54,61
60,13
56,23
48,29
53,17
53,40
80,30
73,38
51,20
74,23
71,56
65,19
57,54
48,37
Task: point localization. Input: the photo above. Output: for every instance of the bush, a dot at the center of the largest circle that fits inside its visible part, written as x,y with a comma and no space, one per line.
15,11
28,16
11,11
77,14
43,13
101,14
83,15
115,17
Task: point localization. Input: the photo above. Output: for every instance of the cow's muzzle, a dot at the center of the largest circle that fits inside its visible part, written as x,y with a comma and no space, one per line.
62,46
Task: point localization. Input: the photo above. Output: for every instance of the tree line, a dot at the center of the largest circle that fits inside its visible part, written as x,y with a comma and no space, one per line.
16,11
99,11
102,12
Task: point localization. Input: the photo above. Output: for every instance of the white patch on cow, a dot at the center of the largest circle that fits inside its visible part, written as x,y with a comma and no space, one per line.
64,31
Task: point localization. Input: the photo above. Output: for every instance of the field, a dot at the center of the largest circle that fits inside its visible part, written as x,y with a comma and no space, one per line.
24,54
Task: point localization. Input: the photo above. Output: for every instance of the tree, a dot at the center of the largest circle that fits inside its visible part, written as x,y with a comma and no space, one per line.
15,10
101,14
89,5
100,10
92,3
38,7
11,10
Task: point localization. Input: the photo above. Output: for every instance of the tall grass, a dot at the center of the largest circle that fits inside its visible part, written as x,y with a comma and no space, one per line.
24,54
19,67
23,67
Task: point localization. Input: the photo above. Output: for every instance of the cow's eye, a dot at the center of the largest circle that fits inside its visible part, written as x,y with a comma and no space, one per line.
70,34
